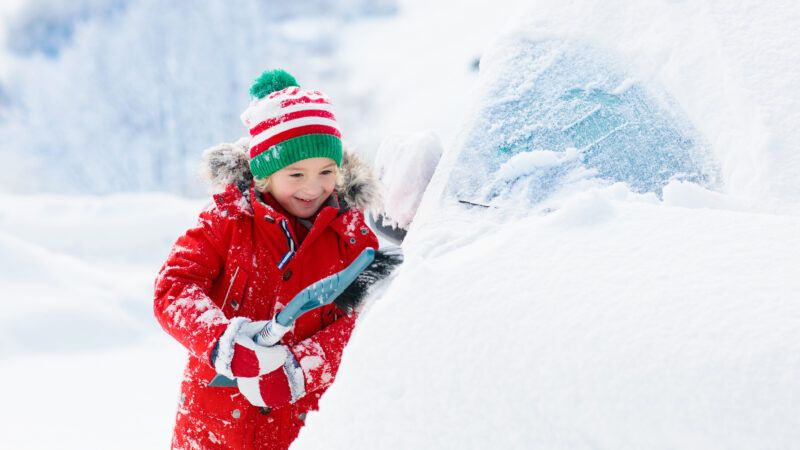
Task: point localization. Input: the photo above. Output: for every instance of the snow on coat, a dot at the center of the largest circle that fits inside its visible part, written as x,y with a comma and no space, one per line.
228,266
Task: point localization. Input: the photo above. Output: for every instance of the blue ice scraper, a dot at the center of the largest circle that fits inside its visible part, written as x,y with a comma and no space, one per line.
320,293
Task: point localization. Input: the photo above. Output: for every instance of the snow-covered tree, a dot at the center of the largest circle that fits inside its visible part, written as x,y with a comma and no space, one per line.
104,97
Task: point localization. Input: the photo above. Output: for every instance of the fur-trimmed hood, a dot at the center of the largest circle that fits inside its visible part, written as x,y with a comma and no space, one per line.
228,163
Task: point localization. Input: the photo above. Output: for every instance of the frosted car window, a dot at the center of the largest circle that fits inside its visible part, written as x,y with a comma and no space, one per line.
553,113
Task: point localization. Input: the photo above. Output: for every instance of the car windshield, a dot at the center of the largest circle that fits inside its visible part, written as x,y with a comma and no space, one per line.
558,113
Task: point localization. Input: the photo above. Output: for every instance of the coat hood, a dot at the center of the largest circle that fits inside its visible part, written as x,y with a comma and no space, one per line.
228,163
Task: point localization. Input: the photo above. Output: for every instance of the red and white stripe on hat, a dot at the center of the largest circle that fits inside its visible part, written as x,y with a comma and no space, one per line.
287,114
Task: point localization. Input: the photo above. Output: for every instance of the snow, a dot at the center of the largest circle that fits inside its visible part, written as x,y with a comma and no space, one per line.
80,353
600,316
690,195
311,362
612,322
116,397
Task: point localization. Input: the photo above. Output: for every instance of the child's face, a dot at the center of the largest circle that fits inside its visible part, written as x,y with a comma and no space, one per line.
301,188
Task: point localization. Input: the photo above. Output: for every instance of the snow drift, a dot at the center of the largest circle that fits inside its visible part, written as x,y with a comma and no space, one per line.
602,315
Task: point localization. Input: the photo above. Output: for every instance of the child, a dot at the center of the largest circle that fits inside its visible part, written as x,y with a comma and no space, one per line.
278,226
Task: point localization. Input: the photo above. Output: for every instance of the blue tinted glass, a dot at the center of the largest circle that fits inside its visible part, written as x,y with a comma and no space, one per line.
572,103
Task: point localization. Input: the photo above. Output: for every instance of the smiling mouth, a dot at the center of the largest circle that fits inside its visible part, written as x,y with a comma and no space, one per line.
304,200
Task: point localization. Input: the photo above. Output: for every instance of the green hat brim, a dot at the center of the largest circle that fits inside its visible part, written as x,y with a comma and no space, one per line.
296,149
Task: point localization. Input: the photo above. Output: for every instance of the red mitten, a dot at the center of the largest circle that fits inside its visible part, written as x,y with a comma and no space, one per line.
277,388
237,355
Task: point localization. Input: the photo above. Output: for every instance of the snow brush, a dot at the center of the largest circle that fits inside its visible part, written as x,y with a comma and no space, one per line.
317,294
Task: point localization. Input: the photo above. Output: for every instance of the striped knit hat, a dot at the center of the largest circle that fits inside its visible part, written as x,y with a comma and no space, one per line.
288,124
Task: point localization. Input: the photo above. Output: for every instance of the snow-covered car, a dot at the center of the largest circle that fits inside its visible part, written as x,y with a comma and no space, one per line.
562,288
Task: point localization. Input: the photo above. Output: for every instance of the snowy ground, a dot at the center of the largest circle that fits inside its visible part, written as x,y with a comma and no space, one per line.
617,321
83,361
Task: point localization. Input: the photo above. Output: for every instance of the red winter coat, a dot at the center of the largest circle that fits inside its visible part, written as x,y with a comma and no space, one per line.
227,266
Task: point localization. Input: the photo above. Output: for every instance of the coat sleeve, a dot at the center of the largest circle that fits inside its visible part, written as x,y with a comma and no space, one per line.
182,304
320,354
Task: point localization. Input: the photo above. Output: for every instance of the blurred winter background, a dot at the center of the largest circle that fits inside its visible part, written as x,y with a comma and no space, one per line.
106,105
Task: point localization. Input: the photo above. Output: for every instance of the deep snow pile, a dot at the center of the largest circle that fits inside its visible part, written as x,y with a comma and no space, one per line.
617,321
601,317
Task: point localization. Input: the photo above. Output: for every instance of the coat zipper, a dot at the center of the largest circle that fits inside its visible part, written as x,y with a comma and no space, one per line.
291,243
230,286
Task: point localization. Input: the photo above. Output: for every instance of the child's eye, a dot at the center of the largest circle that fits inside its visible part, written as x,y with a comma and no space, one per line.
327,172
296,175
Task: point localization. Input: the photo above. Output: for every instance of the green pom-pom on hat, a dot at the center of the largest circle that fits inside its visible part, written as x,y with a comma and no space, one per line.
271,81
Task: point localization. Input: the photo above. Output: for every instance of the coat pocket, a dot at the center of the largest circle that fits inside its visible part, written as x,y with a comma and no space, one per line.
211,418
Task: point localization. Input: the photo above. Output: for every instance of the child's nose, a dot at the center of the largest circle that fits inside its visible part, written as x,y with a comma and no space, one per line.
314,187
